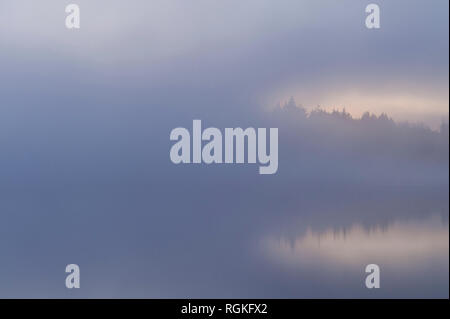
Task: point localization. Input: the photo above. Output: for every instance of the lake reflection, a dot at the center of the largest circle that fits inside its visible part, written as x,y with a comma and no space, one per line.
400,244
412,254
293,242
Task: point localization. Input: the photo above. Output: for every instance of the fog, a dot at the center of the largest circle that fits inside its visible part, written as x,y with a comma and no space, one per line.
85,173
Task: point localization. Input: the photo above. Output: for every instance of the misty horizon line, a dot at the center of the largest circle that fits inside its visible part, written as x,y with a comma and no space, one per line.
292,106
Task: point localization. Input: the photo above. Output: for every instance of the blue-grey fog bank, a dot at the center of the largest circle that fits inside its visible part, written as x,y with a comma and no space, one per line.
85,169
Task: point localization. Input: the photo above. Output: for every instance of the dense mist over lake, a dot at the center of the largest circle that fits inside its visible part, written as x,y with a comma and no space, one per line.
141,226
86,177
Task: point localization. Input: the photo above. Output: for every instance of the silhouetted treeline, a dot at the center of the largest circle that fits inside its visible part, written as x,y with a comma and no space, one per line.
371,134
333,143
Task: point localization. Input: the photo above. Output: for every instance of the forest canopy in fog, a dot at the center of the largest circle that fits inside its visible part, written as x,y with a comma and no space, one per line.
372,146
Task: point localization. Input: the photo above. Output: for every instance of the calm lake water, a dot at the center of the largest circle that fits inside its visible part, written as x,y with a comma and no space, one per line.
243,242
412,256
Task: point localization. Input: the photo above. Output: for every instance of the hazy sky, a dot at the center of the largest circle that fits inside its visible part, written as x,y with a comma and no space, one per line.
317,51
85,120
